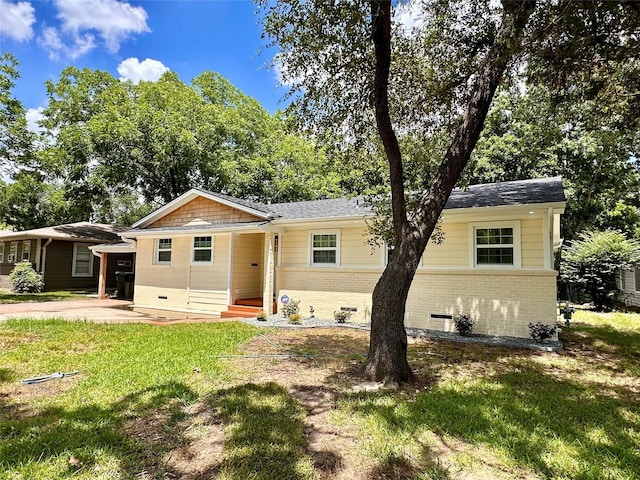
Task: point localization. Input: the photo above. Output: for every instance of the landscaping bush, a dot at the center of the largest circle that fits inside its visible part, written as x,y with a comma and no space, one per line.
341,316
295,319
25,279
540,332
464,325
291,308
593,261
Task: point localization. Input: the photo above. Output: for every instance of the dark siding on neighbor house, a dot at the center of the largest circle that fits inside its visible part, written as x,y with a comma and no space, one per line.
59,268
112,266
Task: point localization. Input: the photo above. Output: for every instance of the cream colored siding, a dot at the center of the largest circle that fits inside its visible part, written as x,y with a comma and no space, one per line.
294,245
354,250
208,282
453,252
180,284
155,282
531,243
248,270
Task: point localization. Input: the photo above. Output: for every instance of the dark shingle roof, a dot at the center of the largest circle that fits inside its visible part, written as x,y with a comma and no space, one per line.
519,192
72,231
328,208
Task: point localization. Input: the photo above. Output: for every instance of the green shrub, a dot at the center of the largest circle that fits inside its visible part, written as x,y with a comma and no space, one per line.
25,280
295,319
593,261
291,308
341,316
540,332
464,325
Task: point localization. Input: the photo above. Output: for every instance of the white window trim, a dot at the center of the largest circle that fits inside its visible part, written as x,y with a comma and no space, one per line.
28,252
193,250
73,262
12,257
1,252
156,251
517,248
385,256
337,248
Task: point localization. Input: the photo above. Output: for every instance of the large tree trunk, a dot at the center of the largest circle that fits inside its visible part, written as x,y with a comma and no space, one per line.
387,358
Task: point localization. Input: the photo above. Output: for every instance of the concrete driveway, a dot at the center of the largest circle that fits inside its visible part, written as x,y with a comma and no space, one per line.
99,311
92,309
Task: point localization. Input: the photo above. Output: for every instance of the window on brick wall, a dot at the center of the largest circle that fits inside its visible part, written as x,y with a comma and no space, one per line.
325,248
496,245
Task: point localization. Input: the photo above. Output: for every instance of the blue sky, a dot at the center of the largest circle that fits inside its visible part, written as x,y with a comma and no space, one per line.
137,39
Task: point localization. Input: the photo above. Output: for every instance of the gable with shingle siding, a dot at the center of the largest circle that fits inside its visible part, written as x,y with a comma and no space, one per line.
200,211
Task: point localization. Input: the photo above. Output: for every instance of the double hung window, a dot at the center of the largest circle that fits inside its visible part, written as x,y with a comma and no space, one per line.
202,250
163,251
325,248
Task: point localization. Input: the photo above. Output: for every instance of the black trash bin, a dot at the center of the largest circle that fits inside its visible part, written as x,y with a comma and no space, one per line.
124,285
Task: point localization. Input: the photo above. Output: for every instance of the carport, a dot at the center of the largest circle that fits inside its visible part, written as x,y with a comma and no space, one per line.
116,260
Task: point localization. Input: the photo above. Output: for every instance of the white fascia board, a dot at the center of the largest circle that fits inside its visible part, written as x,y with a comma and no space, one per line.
186,198
110,248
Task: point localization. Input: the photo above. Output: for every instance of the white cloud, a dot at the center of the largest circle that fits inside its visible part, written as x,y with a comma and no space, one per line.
81,21
16,20
70,46
113,20
33,116
135,70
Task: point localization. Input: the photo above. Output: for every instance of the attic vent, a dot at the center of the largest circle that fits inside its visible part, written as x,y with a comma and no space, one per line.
441,316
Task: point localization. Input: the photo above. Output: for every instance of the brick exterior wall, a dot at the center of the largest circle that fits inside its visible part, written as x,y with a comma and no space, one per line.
200,211
501,302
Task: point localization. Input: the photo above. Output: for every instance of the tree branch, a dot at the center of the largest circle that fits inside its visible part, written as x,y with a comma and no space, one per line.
381,33
508,41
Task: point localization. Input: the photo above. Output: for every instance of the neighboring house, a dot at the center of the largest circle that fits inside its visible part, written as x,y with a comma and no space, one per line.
629,284
208,253
61,253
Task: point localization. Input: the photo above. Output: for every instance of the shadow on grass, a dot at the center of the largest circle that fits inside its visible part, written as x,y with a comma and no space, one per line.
29,439
556,427
264,433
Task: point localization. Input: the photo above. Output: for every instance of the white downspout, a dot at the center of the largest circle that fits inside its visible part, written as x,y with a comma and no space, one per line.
44,256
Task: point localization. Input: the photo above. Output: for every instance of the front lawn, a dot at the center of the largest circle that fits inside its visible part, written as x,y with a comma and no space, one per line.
174,402
10,297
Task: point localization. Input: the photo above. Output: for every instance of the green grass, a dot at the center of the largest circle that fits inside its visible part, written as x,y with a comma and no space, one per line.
7,297
145,393
264,433
129,372
570,415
